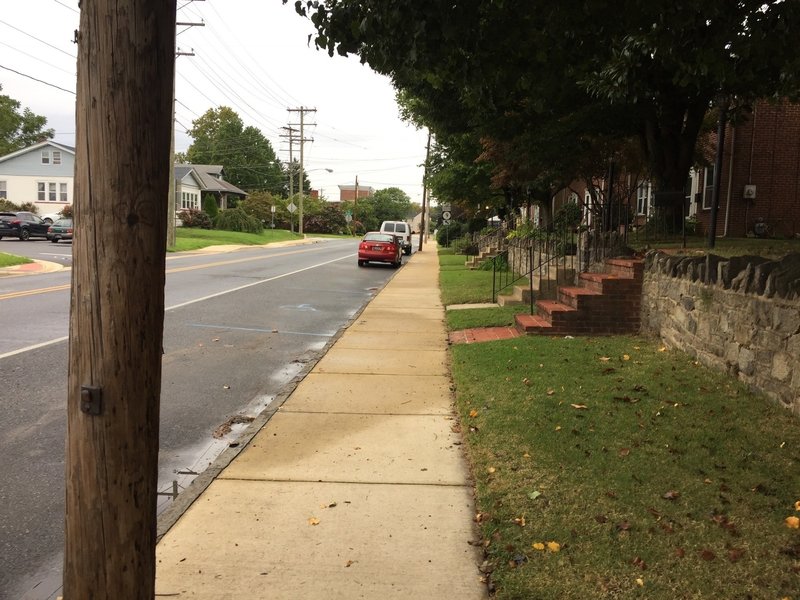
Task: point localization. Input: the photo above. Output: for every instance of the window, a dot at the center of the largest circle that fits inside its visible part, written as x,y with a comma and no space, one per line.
45,157
62,195
56,157
41,197
708,187
3,190
643,198
51,188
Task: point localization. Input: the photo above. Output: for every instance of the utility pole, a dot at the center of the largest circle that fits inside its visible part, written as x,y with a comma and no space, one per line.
424,190
171,202
302,110
290,135
123,118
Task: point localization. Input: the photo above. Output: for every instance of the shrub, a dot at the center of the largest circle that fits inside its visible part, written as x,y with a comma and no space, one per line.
8,206
30,207
210,206
195,218
235,219
67,212
448,233
568,216
258,205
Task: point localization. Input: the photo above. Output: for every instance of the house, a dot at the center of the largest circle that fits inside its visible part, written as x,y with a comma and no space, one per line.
347,193
41,174
760,175
194,182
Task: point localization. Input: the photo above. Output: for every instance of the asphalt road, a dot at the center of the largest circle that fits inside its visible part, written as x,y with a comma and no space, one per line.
238,327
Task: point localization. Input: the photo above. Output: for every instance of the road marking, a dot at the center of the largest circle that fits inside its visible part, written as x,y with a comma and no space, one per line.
66,286
34,347
181,305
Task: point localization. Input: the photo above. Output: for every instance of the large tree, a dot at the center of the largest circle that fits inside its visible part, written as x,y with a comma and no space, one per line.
220,138
540,76
19,129
391,204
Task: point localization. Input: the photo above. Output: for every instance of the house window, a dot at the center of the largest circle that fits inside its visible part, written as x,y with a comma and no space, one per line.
45,157
3,190
56,157
62,192
42,192
643,198
708,187
51,189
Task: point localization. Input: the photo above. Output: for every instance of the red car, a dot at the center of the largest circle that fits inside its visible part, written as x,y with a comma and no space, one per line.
379,247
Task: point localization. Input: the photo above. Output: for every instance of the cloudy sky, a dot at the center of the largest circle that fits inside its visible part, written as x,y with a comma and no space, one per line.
251,55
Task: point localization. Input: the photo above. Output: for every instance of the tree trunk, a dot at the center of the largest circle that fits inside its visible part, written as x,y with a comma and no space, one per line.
123,120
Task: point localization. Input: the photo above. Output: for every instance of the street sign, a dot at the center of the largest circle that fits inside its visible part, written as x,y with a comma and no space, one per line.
446,208
446,215
291,208
348,217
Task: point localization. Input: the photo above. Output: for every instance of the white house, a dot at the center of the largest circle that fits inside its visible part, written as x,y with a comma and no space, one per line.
42,174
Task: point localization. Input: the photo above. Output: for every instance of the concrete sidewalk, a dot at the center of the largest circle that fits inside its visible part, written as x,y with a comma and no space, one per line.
355,487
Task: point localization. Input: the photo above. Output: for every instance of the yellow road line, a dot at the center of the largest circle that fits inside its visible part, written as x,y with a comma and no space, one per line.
219,263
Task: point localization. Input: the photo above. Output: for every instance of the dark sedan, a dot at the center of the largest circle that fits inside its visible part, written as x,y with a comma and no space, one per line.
60,230
380,247
23,225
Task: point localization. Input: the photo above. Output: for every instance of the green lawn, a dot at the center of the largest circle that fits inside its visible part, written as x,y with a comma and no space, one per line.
9,260
768,248
613,468
194,239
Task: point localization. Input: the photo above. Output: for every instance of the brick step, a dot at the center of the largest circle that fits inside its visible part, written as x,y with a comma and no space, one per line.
632,268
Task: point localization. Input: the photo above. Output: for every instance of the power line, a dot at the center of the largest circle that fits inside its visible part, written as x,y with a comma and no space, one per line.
39,80
38,40
66,6
39,59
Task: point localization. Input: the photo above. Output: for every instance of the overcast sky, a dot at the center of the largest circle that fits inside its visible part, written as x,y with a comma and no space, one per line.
251,55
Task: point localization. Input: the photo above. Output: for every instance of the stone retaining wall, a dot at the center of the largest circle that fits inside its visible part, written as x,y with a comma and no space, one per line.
741,315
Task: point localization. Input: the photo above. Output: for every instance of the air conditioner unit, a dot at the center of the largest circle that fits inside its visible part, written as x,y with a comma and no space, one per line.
749,192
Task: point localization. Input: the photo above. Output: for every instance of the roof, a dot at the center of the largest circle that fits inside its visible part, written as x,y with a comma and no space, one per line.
210,178
352,188
37,146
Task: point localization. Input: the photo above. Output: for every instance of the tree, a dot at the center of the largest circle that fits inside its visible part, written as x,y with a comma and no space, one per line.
539,76
123,125
220,138
19,130
391,204
259,205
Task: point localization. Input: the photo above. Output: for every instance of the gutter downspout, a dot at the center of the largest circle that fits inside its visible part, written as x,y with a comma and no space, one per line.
730,182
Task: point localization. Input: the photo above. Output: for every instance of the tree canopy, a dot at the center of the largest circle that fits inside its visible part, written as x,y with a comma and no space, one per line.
20,129
546,88
220,138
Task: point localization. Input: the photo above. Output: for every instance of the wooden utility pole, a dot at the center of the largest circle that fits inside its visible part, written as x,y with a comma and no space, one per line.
123,121
424,190
302,110
290,135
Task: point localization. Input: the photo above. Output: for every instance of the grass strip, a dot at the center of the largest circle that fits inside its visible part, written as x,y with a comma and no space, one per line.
613,468
193,239
10,260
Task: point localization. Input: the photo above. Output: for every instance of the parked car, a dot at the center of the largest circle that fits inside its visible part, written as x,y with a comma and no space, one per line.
380,247
60,230
52,217
400,229
22,224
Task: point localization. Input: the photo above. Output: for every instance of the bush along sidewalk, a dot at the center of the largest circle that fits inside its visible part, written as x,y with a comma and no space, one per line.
614,468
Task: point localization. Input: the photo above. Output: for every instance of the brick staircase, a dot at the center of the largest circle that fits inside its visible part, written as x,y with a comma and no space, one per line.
543,287
488,253
605,304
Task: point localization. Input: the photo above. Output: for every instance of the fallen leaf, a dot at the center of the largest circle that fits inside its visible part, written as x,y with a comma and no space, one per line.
797,505
605,358
579,406
623,526
707,481
601,518
625,357
680,552
624,451
520,521
734,554
671,495
639,562
792,522
640,582
215,340
526,455
348,563
491,470
226,387
526,381
707,554
553,546
662,349
550,392
558,427
313,521
538,546
534,494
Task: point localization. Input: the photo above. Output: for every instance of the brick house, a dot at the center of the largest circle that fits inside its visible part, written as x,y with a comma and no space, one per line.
760,179
347,193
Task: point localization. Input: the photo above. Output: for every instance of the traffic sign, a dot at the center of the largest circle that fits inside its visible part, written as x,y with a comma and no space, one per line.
446,215
291,208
